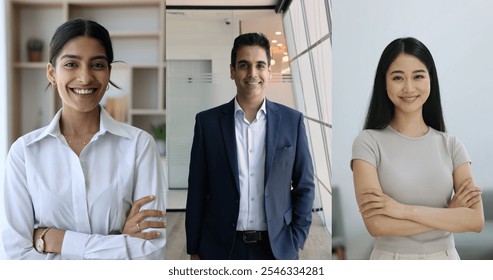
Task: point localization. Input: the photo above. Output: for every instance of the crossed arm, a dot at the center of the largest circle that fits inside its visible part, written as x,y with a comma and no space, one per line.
384,216
54,237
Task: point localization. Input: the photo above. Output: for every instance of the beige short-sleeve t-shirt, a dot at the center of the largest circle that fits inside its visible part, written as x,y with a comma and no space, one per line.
413,170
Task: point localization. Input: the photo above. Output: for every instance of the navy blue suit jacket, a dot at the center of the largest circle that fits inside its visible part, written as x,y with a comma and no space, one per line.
213,183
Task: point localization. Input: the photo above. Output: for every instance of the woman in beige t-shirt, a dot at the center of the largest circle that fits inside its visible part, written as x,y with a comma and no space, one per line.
406,167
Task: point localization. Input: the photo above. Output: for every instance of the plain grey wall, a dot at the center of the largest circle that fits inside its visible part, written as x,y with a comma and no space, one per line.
459,34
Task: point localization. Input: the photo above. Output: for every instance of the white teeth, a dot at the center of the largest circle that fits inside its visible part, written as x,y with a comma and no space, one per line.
83,91
409,99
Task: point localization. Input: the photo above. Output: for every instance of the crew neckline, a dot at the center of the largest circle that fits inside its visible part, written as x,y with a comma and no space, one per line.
409,137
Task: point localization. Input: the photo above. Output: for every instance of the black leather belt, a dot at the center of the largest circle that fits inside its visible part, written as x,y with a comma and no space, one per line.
252,236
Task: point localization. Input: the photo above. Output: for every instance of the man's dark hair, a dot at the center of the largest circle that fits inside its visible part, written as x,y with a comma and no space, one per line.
250,39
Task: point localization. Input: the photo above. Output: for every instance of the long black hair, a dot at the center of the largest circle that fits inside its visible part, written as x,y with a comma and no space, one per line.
381,109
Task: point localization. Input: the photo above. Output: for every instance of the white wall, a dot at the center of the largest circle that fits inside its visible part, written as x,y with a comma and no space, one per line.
458,34
3,107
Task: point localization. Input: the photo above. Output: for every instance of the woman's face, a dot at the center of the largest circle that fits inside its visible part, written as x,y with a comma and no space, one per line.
408,84
81,74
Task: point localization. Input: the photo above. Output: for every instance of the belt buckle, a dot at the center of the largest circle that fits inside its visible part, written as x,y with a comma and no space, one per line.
251,236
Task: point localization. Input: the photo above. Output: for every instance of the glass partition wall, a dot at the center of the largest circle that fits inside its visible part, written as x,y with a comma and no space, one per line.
309,38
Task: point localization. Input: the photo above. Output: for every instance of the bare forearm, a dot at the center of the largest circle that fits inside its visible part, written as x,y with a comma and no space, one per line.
381,225
459,219
54,240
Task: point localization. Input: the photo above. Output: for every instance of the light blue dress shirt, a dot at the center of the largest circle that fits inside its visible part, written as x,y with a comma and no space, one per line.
250,146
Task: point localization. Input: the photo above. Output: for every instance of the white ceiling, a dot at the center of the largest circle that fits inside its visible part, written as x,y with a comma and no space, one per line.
221,2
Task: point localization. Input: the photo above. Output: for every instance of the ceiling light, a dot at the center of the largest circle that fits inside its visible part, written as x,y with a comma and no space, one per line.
272,62
285,58
278,32
279,45
274,41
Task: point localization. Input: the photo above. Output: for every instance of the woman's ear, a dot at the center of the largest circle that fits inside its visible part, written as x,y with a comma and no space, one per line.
50,74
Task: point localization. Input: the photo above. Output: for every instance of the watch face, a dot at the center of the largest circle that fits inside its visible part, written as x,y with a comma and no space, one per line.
40,245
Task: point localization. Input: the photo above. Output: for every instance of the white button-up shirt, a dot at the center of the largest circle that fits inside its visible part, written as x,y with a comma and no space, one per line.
250,146
48,185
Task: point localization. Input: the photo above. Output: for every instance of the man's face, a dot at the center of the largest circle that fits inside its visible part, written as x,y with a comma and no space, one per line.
251,72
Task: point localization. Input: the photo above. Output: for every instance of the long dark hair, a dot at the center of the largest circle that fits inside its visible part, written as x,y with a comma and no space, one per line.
381,109
80,27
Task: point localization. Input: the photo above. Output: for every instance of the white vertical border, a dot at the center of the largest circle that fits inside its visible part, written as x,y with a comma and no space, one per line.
4,113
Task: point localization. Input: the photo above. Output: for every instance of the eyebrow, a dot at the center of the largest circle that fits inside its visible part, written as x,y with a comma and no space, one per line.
258,62
401,72
78,57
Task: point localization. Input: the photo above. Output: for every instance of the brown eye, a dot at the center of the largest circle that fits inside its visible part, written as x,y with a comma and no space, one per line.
99,65
70,64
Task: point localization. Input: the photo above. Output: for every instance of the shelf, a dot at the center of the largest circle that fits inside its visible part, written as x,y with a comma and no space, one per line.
113,3
37,3
30,65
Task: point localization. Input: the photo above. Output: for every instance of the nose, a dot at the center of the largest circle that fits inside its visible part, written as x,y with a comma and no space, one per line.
252,71
409,86
85,75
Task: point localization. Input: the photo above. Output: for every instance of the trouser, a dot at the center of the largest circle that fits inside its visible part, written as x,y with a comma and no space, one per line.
378,254
252,246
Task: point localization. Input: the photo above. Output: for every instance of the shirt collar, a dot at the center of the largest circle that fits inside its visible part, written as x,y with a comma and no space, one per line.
262,107
106,124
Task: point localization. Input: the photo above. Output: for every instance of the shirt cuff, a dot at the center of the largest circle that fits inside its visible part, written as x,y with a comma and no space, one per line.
73,246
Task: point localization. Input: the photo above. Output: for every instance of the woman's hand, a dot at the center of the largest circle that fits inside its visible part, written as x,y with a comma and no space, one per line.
466,195
136,223
375,202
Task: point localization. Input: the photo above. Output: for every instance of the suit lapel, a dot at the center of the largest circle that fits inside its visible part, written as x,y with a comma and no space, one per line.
273,124
229,138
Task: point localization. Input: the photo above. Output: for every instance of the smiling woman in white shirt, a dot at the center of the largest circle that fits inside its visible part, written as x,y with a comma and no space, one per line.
85,186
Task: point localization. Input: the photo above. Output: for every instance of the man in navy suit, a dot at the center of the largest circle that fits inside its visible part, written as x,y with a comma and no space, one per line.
251,183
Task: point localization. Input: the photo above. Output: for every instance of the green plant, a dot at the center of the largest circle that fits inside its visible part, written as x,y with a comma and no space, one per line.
159,131
34,44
